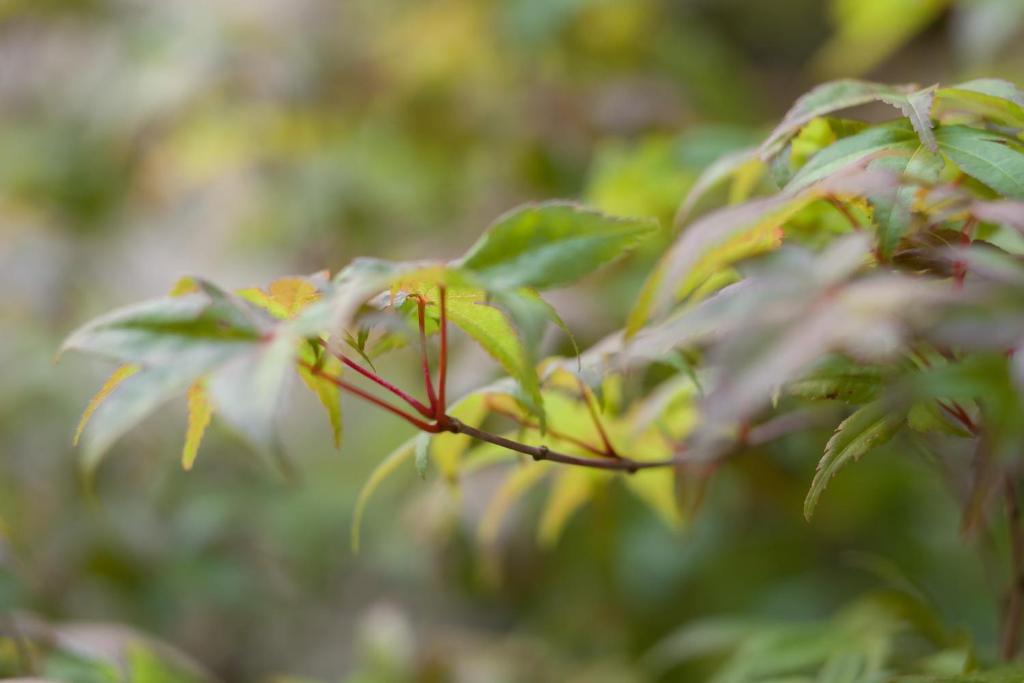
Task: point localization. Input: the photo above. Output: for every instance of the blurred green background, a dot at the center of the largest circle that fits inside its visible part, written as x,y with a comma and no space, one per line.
143,140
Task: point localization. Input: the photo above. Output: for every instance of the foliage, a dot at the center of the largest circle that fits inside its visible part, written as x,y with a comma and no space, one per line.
883,271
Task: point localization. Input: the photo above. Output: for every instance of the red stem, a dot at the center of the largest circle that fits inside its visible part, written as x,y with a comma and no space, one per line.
421,306
442,362
377,379
367,396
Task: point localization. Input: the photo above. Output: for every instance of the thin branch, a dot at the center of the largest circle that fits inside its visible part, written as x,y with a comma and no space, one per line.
366,396
421,306
1014,618
544,453
442,361
530,424
377,379
588,398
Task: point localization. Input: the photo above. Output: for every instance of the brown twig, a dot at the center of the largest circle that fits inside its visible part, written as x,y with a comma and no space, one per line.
530,424
588,398
1014,617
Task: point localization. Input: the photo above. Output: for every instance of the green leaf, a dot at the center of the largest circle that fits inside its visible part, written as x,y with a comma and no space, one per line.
551,244
490,328
986,157
422,454
519,481
382,471
894,137
988,98
868,427
718,172
917,107
827,98
893,211
869,31
191,328
838,380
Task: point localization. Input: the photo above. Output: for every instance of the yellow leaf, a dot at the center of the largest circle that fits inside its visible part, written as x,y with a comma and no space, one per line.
516,484
571,490
285,297
120,375
293,294
183,286
446,449
765,236
327,392
200,410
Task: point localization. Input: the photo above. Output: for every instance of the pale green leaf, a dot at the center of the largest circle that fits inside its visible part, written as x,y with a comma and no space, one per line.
422,454
986,157
551,244
490,328
382,471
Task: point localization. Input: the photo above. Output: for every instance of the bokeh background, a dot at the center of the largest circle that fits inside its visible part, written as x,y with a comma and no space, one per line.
142,140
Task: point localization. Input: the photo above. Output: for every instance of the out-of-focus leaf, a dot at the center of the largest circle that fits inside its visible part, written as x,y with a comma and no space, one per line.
118,376
988,98
167,330
200,411
131,401
718,172
446,448
519,481
284,297
868,427
551,244
385,468
838,380
893,212
327,392
571,490
986,157
868,31
897,137
246,392
422,454
918,109
827,98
